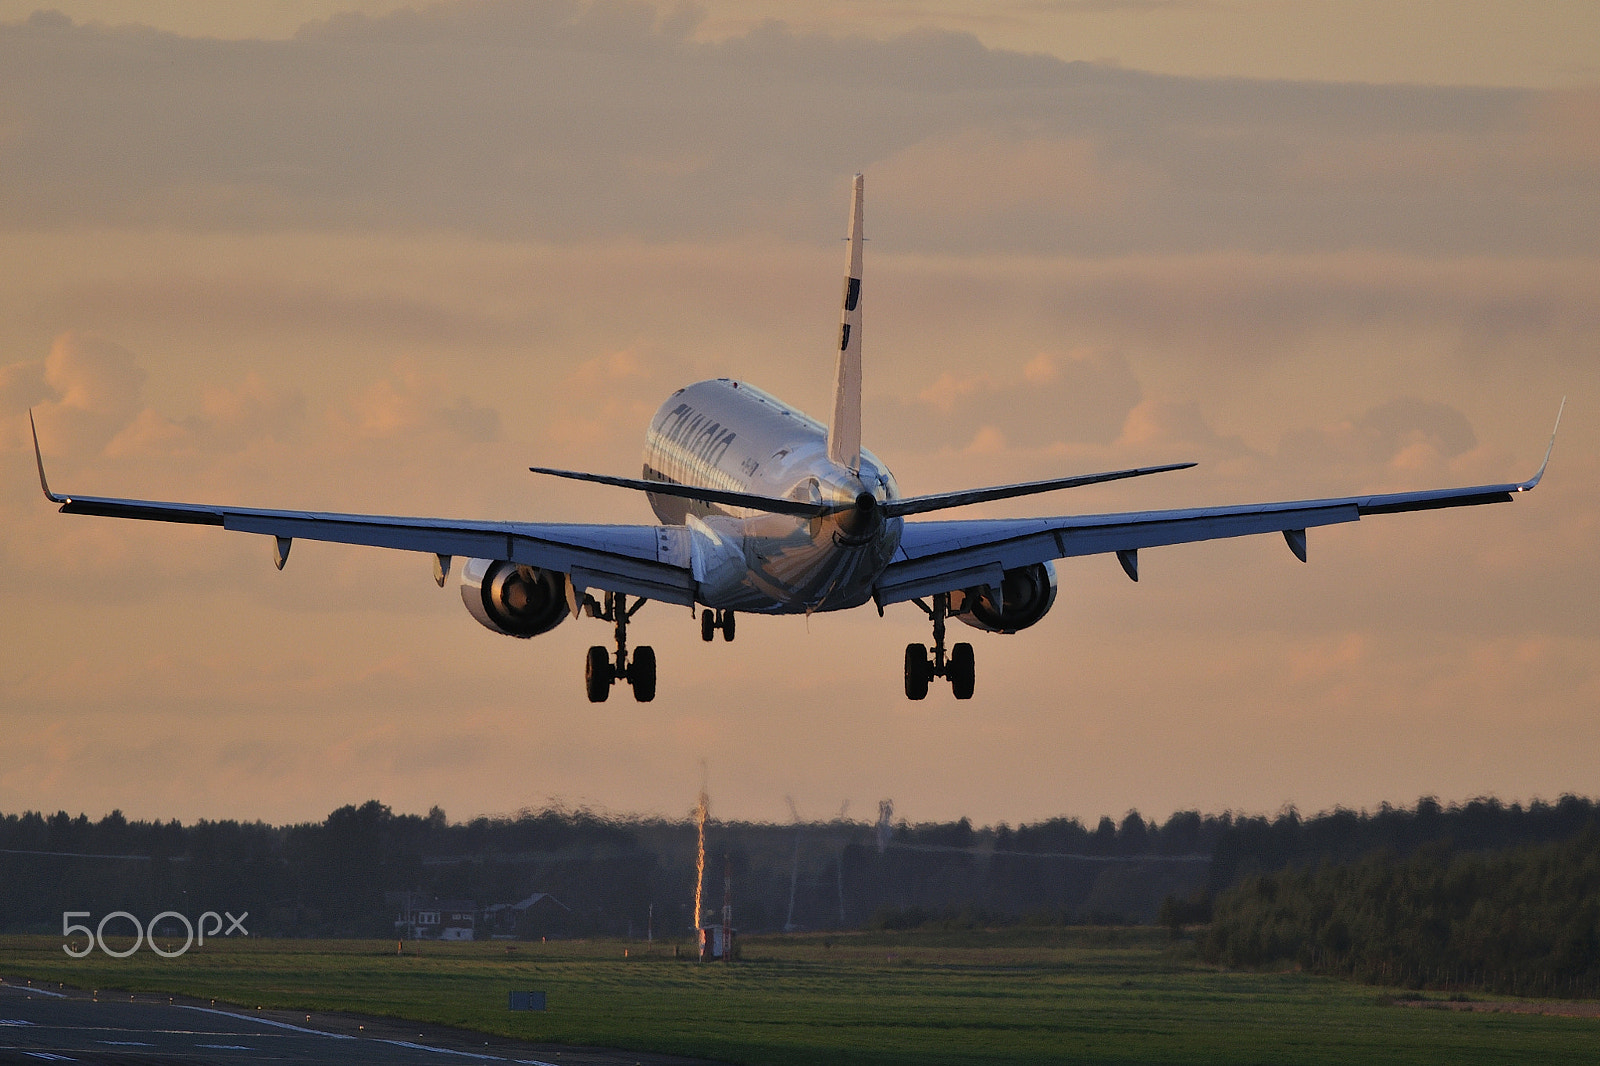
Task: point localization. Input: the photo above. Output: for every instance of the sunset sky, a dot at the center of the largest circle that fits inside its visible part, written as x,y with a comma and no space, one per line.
355,256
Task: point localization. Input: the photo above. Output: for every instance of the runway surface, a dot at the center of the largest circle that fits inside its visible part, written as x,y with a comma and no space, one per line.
50,1024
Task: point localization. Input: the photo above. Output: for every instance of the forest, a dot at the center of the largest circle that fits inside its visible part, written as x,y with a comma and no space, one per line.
1521,921
611,876
1481,894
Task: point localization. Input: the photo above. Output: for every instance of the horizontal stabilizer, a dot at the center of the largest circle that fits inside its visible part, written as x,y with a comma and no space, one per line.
803,508
922,504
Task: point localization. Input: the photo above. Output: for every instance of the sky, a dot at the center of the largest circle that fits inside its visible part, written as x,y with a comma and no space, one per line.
356,256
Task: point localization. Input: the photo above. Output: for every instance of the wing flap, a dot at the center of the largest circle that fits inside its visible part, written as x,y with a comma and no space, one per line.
899,584
646,582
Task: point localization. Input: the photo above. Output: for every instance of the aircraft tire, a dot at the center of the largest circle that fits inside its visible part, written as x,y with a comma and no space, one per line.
727,626
916,672
708,625
642,674
963,671
597,674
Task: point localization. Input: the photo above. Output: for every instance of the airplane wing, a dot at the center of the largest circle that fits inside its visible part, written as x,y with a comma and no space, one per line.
648,561
943,556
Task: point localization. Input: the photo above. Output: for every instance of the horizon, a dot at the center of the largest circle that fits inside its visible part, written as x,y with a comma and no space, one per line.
688,818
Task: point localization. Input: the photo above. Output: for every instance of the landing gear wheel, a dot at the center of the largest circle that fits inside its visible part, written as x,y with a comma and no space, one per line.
711,621
597,674
642,674
917,672
963,671
601,670
958,666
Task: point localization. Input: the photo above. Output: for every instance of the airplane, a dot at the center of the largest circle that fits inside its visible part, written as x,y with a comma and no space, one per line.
764,510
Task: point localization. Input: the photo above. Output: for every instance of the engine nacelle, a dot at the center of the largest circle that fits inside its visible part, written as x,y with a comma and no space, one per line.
1026,595
518,601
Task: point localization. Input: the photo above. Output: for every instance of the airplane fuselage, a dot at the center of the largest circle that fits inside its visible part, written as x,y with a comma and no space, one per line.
729,435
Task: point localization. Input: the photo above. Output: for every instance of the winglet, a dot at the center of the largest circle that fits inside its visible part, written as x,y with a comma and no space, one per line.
38,457
844,431
1534,481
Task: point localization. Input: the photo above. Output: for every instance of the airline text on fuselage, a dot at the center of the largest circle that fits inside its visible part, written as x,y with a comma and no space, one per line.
698,438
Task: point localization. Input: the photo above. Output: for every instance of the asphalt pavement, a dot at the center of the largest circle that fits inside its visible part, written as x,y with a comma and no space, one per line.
48,1023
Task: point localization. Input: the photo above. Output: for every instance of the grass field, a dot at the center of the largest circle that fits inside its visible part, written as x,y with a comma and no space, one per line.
1010,996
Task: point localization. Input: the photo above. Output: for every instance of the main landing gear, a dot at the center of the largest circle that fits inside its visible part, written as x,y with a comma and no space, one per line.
711,621
959,667
600,672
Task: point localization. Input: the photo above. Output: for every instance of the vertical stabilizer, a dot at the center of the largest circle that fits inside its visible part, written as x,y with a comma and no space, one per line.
844,431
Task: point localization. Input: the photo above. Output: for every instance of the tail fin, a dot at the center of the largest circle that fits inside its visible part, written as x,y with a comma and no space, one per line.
844,432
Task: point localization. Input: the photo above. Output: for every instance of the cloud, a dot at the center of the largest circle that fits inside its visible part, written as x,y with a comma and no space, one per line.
1181,318
1021,189
1168,424
21,386
95,388
148,435
388,264
88,396
622,388
92,374
411,403
251,410
1079,396
561,120
1407,436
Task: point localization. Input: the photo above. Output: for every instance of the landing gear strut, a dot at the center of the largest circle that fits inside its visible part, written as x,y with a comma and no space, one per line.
711,621
600,672
959,666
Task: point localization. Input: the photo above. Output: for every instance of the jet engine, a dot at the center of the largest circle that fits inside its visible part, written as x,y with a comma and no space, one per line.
1026,595
518,601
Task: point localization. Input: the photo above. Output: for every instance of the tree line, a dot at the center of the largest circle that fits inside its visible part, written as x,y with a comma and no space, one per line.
1523,921
635,876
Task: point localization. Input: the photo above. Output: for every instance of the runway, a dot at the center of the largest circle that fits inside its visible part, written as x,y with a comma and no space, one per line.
50,1024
